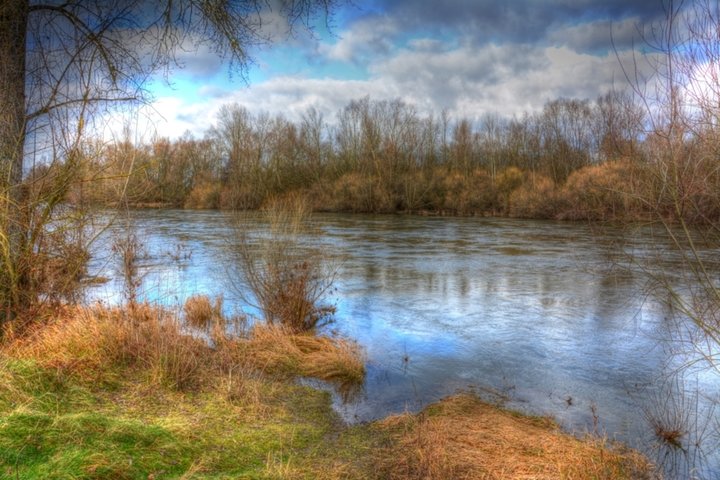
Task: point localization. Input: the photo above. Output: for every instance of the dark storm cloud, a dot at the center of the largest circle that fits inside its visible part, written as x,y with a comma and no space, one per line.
199,61
522,21
599,36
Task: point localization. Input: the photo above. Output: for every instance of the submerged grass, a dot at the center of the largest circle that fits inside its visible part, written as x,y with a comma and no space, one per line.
105,393
274,349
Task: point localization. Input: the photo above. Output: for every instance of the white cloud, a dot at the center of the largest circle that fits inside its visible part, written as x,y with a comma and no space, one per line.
467,81
165,117
367,39
506,79
287,96
458,73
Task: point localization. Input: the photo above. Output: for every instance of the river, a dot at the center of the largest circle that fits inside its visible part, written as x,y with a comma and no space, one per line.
553,318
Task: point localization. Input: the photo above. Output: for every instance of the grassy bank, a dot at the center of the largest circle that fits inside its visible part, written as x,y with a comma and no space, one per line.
102,393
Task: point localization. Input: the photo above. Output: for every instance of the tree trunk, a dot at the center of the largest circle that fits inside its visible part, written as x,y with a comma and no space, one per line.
13,25
13,28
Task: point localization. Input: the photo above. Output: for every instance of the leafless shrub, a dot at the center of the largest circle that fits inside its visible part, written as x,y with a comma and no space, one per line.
43,244
288,283
129,251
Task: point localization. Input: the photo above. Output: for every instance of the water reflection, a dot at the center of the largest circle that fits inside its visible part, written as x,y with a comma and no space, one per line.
531,311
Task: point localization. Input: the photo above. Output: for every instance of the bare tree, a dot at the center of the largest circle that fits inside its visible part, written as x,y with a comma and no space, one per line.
682,108
681,179
63,60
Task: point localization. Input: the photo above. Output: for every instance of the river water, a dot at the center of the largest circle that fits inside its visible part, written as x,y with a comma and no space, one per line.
552,318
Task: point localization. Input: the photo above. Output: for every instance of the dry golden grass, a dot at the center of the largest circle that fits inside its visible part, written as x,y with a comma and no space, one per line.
75,340
464,438
275,349
91,341
200,311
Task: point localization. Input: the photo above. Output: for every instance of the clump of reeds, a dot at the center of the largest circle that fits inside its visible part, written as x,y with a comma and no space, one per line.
464,438
669,412
128,250
669,435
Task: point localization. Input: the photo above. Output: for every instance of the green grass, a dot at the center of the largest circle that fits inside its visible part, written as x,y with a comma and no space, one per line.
55,427
84,445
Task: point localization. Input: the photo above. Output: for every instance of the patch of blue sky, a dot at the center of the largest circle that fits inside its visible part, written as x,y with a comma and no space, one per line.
290,61
178,85
191,89
352,12
329,30
254,75
341,71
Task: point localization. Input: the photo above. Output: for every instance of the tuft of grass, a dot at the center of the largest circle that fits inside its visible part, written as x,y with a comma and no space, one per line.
274,349
669,436
669,419
200,312
464,438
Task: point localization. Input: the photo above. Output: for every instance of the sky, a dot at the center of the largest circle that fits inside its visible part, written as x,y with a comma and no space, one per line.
468,57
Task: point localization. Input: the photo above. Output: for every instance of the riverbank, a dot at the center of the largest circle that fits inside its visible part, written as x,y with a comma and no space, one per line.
597,193
107,393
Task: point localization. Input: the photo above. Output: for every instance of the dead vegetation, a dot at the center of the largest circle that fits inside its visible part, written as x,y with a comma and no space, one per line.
275,349
201,312
92,342
288,282
464,438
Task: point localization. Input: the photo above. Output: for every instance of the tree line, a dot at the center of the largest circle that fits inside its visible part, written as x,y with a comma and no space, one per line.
574,159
